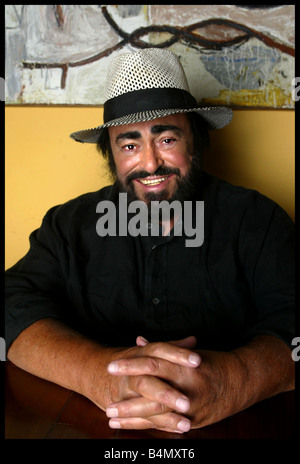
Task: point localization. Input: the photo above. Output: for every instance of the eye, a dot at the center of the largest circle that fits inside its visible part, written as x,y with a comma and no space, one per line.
128,147
168,142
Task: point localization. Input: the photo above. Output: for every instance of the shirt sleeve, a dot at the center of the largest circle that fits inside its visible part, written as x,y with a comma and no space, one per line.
35,284
272,275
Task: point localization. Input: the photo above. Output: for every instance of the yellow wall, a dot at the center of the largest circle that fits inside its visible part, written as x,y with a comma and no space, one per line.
44,167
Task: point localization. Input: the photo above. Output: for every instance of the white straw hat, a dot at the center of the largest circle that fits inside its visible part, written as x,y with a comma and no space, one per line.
146,85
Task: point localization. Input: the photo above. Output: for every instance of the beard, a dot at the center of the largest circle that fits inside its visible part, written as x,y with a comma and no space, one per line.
186,185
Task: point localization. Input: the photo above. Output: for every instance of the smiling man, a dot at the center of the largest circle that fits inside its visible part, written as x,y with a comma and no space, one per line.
153,157
156,333
153,161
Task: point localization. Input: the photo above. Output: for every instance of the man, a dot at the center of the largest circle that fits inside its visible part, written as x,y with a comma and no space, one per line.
157,333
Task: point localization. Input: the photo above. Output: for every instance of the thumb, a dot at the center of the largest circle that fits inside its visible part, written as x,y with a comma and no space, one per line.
188,342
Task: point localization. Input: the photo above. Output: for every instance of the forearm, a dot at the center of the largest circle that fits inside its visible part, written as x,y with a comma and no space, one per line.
53,351
266,368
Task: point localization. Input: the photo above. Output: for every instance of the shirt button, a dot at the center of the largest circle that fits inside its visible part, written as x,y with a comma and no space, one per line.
155,301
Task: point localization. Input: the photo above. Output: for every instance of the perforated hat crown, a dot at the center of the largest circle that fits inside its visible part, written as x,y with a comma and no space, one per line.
146,85
146,69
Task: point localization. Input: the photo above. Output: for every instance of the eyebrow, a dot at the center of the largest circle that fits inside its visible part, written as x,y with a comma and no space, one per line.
128,135
157,129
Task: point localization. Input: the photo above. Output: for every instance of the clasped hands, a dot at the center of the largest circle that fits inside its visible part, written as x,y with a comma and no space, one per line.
164,386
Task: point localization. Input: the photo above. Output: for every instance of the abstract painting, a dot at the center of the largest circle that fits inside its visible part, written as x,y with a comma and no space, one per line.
235,55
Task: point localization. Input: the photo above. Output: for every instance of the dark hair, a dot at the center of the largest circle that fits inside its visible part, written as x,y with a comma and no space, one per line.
200,139
200,133
104,147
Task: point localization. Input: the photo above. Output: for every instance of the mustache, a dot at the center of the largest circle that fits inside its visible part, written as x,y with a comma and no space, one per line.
161,171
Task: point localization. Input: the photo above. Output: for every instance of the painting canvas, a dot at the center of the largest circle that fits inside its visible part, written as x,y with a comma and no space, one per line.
236,55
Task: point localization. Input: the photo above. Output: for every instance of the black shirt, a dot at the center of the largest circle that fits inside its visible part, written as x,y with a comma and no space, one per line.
238,283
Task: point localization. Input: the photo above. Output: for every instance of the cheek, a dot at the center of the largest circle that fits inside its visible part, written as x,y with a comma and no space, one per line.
124,166
180,161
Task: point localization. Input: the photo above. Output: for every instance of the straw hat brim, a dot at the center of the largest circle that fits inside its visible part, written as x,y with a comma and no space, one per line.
214,117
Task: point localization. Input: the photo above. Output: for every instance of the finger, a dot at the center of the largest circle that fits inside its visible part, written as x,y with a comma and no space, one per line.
169,422
139,366
136,407
156,390
141,341
188,342
159,391
159,350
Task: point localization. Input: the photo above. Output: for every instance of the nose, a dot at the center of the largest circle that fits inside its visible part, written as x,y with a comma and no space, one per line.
150,159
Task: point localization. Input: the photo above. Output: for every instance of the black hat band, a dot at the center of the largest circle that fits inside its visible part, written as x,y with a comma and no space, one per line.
138,101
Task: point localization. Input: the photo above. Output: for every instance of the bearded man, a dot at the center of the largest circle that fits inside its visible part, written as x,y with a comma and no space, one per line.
156,333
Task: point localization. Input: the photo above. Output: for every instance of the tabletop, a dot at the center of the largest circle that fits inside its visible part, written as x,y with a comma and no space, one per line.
36,408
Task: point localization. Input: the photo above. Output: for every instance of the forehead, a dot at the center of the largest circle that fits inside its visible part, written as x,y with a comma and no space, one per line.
170,122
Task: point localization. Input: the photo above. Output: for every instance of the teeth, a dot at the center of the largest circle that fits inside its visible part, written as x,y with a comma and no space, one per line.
153,181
